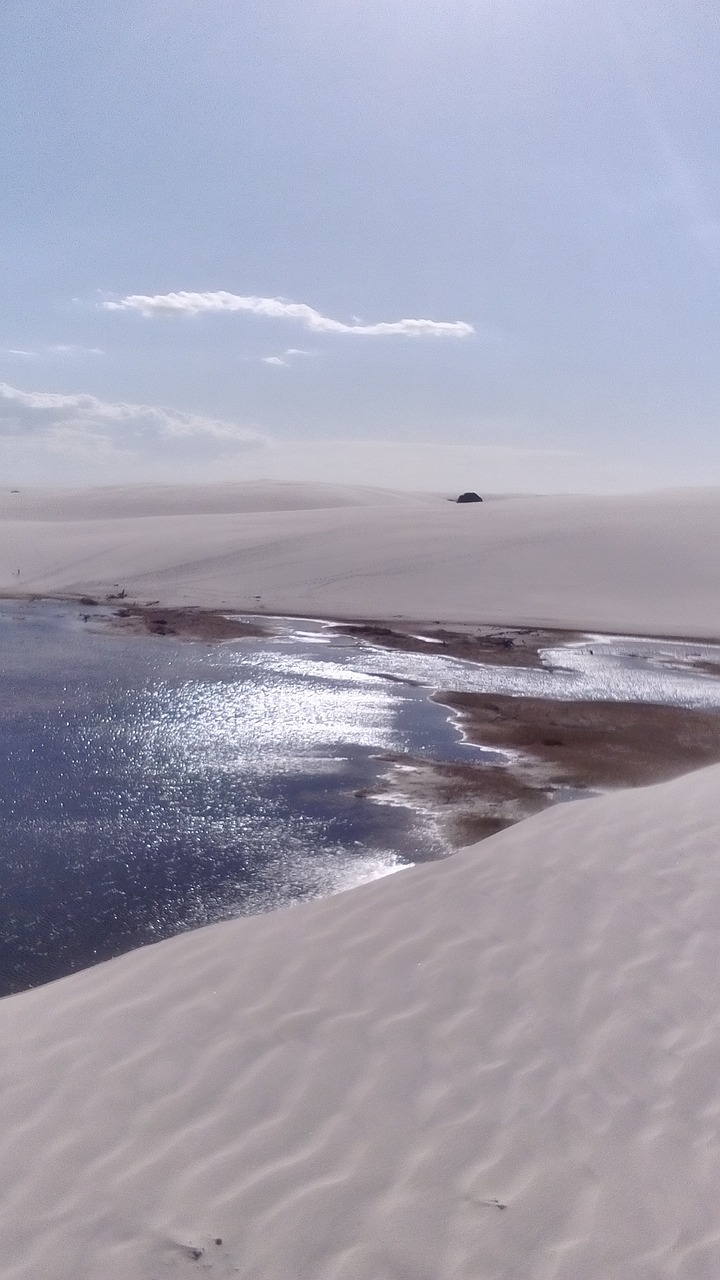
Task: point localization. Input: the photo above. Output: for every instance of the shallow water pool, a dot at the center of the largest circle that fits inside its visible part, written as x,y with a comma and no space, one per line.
148,785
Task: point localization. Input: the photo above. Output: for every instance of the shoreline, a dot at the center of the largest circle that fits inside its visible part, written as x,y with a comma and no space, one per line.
500,1063
555,748
396,624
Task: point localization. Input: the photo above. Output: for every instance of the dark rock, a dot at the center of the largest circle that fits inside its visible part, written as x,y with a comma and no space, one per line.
469,497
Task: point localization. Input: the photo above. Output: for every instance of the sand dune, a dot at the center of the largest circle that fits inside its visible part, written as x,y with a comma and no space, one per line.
641,563
506,1065
120,501
351,1089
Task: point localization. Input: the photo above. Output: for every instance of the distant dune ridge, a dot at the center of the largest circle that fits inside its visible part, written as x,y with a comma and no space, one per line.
645,562
500,1066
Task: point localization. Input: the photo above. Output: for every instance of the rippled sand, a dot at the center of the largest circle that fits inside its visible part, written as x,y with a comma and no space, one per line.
506,1064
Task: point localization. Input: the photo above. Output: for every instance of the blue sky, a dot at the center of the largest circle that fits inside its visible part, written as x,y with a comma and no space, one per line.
222,222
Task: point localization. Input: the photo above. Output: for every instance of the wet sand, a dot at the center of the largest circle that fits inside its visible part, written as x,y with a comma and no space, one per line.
560,750
501,646
184,623
556,749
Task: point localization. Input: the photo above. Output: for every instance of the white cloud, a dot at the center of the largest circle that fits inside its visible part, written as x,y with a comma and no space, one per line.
56,349
194,304
82,423
298,351
274,360
71,349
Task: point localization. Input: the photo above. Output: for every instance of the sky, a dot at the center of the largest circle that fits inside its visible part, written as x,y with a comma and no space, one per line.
435,244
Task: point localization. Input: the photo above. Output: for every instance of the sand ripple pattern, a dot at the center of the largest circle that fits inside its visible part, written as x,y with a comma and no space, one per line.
506,1065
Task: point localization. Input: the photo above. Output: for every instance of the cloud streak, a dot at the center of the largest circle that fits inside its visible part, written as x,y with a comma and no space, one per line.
72,349
54,349
82,423
195,304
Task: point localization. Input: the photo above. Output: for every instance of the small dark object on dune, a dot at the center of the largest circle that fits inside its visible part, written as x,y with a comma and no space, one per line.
469,497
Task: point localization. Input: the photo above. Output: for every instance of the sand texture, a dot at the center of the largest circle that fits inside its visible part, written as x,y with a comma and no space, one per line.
503,1065
644,563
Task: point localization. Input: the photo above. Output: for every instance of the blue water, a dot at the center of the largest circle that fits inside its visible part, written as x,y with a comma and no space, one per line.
149,786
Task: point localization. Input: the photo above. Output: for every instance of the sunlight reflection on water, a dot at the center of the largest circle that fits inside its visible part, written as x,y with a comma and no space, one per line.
148,786
599,671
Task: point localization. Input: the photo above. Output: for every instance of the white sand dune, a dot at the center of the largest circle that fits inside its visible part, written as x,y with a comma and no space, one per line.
350,1089
640,563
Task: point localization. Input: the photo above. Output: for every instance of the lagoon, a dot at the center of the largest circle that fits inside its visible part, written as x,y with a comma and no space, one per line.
150,785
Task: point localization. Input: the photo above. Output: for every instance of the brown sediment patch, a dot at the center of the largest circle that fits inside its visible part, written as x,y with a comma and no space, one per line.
506,646
592,744
185,623
467,801
555,749
518,646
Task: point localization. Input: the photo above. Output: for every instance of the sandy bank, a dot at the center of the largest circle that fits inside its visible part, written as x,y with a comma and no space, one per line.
351,1089
643,564
557,749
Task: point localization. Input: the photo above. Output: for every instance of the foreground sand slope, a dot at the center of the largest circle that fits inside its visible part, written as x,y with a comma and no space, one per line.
645,563
349,1090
